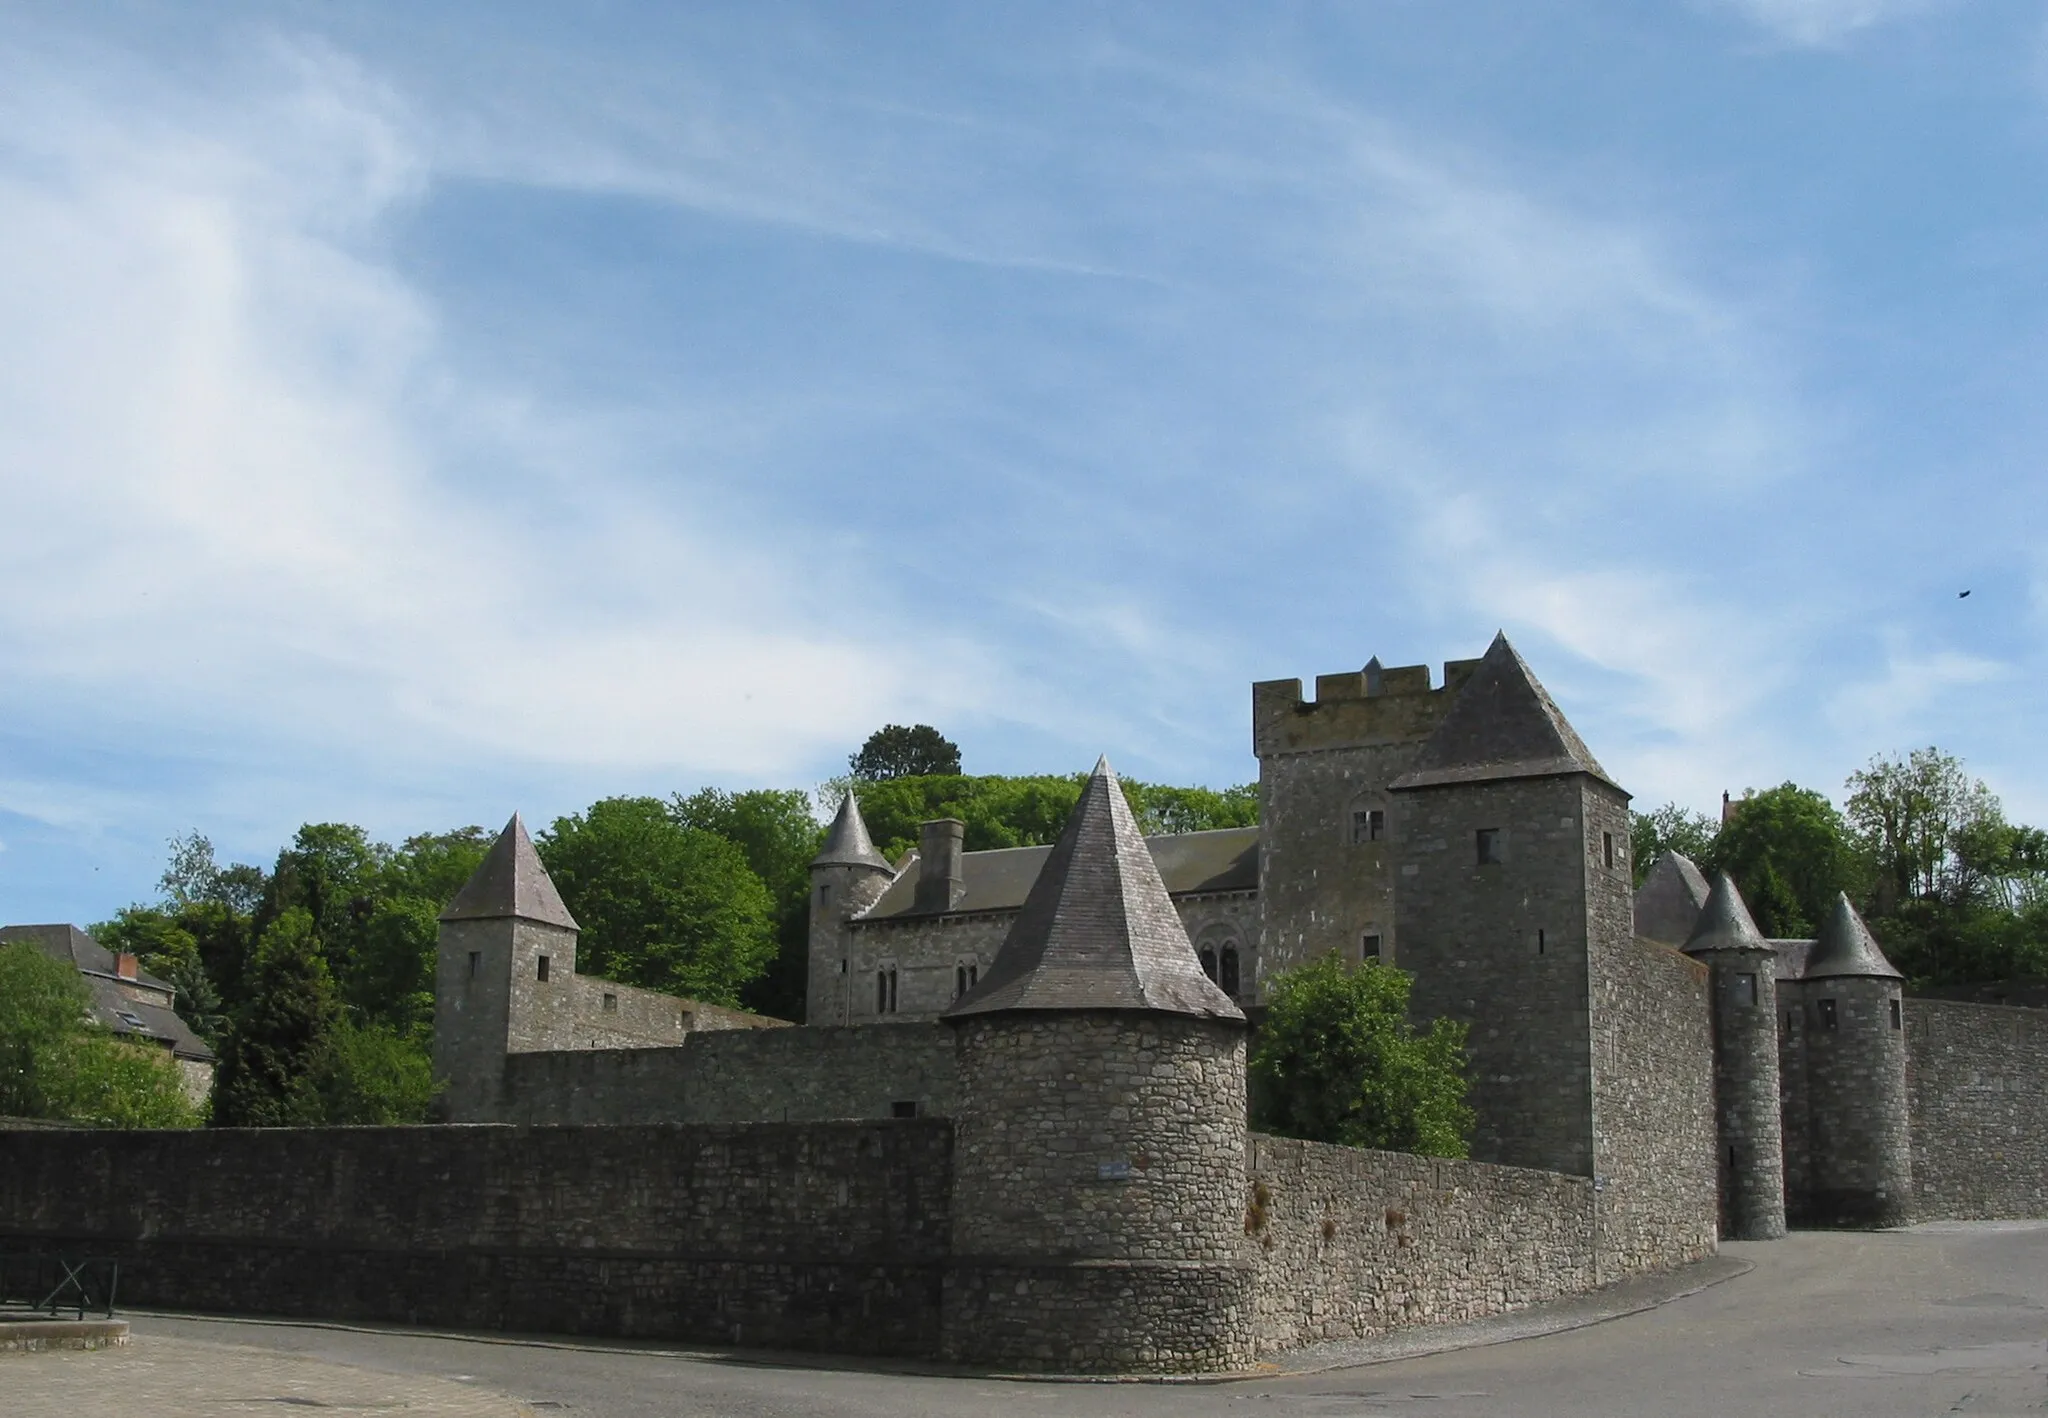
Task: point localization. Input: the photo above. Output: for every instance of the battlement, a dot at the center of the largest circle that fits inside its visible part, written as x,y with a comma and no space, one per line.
1369,706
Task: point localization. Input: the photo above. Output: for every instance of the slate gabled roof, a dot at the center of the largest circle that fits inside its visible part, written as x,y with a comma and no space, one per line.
1845,946
1725,923
1098,930
1503,724
1669,900
511,883
848,843
77,949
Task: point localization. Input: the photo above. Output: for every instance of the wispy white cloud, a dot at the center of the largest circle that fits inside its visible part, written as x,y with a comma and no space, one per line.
1823,23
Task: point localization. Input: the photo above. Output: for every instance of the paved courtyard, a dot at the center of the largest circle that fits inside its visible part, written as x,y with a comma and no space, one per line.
1939,1319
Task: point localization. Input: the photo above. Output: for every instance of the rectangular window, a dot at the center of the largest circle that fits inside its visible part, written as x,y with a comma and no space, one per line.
543,971
1368,824
611,1004
1607,847
476,963
1826,1010
892,989
959,981
1489,844
1542,942
1745,988
1895,1014
1369,946
906,1108
881,991
825,897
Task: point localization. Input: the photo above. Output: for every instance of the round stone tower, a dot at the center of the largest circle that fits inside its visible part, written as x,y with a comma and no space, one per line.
1746,1107
1099,1139
847,876
1862,1168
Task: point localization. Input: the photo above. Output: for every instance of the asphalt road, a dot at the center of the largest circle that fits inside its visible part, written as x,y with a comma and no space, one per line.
1939,1319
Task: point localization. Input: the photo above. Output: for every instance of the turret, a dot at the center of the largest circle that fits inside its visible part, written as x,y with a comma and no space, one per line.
847,876
1099,1138
1746,1101
1861,1147
504,975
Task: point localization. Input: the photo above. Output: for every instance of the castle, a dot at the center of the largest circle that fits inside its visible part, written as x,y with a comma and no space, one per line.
1012,1131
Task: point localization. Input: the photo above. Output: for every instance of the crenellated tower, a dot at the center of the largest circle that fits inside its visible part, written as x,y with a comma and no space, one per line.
1747,1116
847,876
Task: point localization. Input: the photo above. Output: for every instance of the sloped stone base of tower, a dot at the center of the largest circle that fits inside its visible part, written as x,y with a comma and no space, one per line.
1099,1316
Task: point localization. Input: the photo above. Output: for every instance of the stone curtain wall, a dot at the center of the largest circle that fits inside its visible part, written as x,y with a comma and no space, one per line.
1348,1242
1977,1080
738,1076
1653,1109
923,951
825,1236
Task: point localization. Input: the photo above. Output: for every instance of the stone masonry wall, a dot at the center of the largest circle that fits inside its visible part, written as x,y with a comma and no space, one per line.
825,1236
1977,1081
1348,1242
1859,1146
768,1075
1653,1109
1503,948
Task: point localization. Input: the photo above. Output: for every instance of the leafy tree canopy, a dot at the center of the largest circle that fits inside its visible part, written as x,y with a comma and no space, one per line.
56,1065
774,828
900,751
662,906
1338,1061
1030,811
279,1031
1670,828
1790,852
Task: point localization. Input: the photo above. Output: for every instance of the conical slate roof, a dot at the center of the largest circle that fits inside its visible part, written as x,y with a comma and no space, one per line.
1503,724
511,882
1846,947
1669,900
848,843
1098,930
1725,922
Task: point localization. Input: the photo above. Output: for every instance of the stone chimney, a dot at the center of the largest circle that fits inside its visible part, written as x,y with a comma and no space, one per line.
125,965
939,882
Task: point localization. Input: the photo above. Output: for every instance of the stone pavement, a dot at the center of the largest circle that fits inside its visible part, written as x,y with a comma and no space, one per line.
159,1377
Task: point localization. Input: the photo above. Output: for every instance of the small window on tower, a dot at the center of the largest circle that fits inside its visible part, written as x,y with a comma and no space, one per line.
1542,941
542,972
1369,946
1489,844
611,1004
1607,847
1826,1010
825,896
1745,988
1895,1014
476,963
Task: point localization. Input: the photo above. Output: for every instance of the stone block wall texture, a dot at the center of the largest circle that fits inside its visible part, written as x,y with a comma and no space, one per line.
1653,1109
1319,760
1748,1101
824,1236
1503,947
1859,1144
1099,1172
738,1076
1977,1081
1348,1243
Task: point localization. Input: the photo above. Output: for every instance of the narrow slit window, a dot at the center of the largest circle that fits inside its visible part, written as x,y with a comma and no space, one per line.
542,971
1826,1010
892,989
1542,941
1487,841
881,991
1227,970
476,963
973,976
1607,848
959,981
1745,988
1896,1020
1208,958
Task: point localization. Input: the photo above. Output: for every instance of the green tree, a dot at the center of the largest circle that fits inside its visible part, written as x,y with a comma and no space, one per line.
1790,853
900,751
1670,828
662,906
1914,814
371,1075
778,834
1029,811
55,1064
1338,1061
391,974
278,1033
1161,809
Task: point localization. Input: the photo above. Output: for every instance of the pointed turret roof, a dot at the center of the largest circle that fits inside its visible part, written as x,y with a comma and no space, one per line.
1846,947
1098,930
511,882
847,844
1669,900
1503,724
1725,923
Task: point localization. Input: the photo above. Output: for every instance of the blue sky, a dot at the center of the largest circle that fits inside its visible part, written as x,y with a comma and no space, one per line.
412,413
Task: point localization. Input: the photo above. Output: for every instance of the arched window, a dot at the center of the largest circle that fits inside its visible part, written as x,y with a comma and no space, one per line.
1227,974
1209,963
